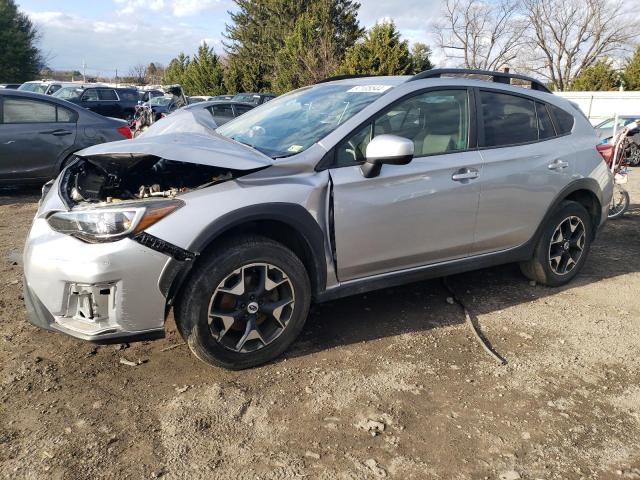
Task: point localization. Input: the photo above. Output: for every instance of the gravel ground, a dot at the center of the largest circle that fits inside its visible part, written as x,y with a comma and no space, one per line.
390,384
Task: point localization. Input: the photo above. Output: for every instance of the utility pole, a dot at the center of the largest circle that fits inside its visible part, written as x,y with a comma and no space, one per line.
84,71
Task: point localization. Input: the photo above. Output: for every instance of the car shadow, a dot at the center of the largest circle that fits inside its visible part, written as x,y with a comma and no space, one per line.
19,194
422,306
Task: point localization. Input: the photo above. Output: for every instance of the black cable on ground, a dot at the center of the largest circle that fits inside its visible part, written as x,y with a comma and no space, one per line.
486,345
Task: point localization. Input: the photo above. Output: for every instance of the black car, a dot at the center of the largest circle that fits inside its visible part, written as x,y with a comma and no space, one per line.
107,101
40,133
146,95
254,98
222,112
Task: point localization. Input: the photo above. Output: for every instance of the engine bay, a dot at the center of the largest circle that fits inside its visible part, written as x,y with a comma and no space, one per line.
111,179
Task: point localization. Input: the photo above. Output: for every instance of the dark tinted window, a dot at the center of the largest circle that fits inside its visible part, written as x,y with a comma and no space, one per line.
564,120
508,119
19,110
107,94
240,109
545,125
222,111
128,95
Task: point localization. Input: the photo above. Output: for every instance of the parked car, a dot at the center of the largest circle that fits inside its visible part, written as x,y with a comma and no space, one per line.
12,86
604,129
334,189
221,111
39,134
107,101
254,98
48,87
146,95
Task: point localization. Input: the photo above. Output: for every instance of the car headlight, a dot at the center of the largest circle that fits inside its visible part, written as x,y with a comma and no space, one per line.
106,224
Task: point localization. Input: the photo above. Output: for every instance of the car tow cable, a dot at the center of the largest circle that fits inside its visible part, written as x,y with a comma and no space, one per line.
482,340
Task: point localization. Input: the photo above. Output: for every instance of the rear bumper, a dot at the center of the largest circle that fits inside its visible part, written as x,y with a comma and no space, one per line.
104,292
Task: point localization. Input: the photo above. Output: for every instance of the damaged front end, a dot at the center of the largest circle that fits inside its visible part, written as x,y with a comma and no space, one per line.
91,268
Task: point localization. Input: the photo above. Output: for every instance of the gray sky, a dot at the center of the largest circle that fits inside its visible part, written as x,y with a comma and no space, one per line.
115,34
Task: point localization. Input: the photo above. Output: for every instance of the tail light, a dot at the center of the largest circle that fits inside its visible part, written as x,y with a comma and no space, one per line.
125,131
606,150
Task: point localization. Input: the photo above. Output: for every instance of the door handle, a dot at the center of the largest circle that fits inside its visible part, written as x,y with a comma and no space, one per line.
58,132
558,165
465,174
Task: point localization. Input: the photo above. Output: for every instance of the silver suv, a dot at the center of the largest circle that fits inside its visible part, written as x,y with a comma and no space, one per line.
339,188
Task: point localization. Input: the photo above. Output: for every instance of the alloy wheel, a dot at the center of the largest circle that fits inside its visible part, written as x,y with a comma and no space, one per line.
251,307
567,245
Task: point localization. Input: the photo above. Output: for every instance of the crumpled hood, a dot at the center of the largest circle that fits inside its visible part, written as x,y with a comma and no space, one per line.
184,136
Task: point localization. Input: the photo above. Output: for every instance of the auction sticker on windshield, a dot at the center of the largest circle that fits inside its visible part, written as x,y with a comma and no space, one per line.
369,89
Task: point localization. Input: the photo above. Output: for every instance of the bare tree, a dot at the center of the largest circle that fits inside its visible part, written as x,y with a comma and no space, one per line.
567,36
138,73
481,34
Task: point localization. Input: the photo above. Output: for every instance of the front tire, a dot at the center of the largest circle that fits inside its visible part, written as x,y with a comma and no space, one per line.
244,304
563,246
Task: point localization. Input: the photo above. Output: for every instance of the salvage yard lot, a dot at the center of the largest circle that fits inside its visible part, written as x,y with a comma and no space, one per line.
388,384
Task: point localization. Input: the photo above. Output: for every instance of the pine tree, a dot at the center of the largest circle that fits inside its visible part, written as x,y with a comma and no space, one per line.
315,48
204,74
259,30
632,72
599,76
420,58
20,59
382,52
175,70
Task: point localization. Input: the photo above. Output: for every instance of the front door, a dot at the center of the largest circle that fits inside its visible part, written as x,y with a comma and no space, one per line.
410,215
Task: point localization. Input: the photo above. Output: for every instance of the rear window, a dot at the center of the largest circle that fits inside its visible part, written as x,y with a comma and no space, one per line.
129,96
508,119
107,94
545,125
21,110
222,111
240,109
564,120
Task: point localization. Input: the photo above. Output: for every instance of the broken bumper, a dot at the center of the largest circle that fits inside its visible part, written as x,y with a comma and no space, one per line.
103,292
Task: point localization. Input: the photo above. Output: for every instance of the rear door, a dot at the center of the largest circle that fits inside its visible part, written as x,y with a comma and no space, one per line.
90,100
527,162
35,136
109,103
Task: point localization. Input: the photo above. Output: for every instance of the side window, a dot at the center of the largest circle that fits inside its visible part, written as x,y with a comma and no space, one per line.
437,122
240,109
128,96
28,111
545,125
564,120
65,115
90,96
508,119
107,94
222,111
53,89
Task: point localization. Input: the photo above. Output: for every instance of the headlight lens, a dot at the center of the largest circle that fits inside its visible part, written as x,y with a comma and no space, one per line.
107,224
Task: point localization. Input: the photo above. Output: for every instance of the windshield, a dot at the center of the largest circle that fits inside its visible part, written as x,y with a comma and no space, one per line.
69,93
33,87
292,123
609,123
162,101
247,98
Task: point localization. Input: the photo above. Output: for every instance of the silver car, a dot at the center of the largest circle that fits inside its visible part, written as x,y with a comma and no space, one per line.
335,189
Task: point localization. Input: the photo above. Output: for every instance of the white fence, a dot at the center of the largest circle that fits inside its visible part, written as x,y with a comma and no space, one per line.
599,106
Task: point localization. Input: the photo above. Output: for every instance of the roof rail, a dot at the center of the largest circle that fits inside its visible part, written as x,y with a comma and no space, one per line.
498,77
343,77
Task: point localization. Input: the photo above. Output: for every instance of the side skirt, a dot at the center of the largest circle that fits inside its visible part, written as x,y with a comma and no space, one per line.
392,279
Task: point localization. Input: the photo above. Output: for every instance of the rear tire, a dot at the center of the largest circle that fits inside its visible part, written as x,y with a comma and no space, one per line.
244,304
563,246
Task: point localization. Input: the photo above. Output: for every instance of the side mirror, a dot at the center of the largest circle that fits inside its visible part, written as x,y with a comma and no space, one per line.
389,149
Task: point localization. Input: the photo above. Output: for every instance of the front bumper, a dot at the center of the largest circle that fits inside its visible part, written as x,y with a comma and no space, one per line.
102,292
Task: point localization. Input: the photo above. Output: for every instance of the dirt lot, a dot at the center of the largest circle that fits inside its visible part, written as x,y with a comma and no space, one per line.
389,384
